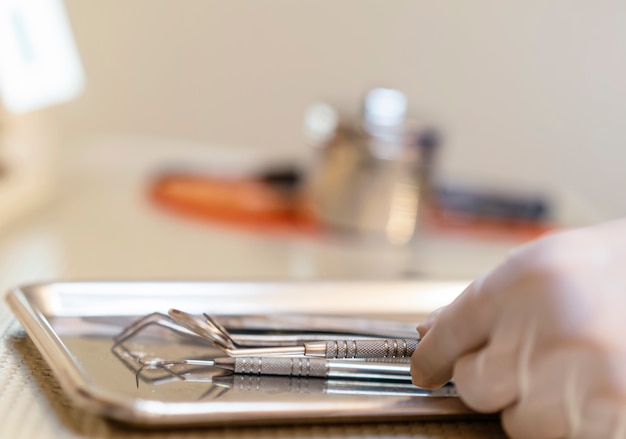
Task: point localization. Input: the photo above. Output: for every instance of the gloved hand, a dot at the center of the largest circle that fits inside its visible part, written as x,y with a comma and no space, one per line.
541,338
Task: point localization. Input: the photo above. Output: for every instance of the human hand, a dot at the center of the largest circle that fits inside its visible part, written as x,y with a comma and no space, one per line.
541,338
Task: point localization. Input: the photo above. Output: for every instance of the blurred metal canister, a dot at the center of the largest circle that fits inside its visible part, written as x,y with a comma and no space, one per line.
371,177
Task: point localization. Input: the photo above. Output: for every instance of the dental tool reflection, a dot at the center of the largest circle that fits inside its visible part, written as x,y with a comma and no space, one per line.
273,384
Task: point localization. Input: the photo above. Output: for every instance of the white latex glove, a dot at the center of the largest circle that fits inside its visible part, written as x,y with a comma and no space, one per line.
541,338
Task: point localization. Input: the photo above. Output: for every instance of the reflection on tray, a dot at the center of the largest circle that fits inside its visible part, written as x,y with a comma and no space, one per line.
282,384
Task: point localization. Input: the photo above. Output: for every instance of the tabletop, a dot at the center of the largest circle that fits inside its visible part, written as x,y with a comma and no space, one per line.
100,226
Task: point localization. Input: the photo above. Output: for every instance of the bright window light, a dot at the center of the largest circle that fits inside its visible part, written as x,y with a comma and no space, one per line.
39,63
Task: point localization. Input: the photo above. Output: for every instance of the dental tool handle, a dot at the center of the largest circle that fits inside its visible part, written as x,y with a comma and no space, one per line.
391,348
374,348
316,368
287,366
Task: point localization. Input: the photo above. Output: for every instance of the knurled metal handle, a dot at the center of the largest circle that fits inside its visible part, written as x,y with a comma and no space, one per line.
383,348
292,366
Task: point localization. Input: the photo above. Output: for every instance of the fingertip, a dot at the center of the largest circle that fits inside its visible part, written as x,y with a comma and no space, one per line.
448,333
426,375
425,384
418,382
424,327
421,331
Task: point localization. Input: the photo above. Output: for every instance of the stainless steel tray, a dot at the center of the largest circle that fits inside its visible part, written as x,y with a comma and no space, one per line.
73,325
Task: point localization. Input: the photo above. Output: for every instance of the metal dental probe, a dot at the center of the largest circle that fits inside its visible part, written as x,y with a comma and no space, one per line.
342,348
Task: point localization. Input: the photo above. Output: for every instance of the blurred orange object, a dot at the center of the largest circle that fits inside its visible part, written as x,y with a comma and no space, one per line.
243,202
256,204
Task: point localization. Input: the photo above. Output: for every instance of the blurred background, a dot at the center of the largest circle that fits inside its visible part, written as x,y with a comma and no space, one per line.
185,143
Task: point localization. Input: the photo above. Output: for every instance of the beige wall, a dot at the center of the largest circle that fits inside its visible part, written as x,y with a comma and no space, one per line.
529,92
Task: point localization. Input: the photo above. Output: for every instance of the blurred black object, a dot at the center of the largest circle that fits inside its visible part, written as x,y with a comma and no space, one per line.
286,178
492,204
